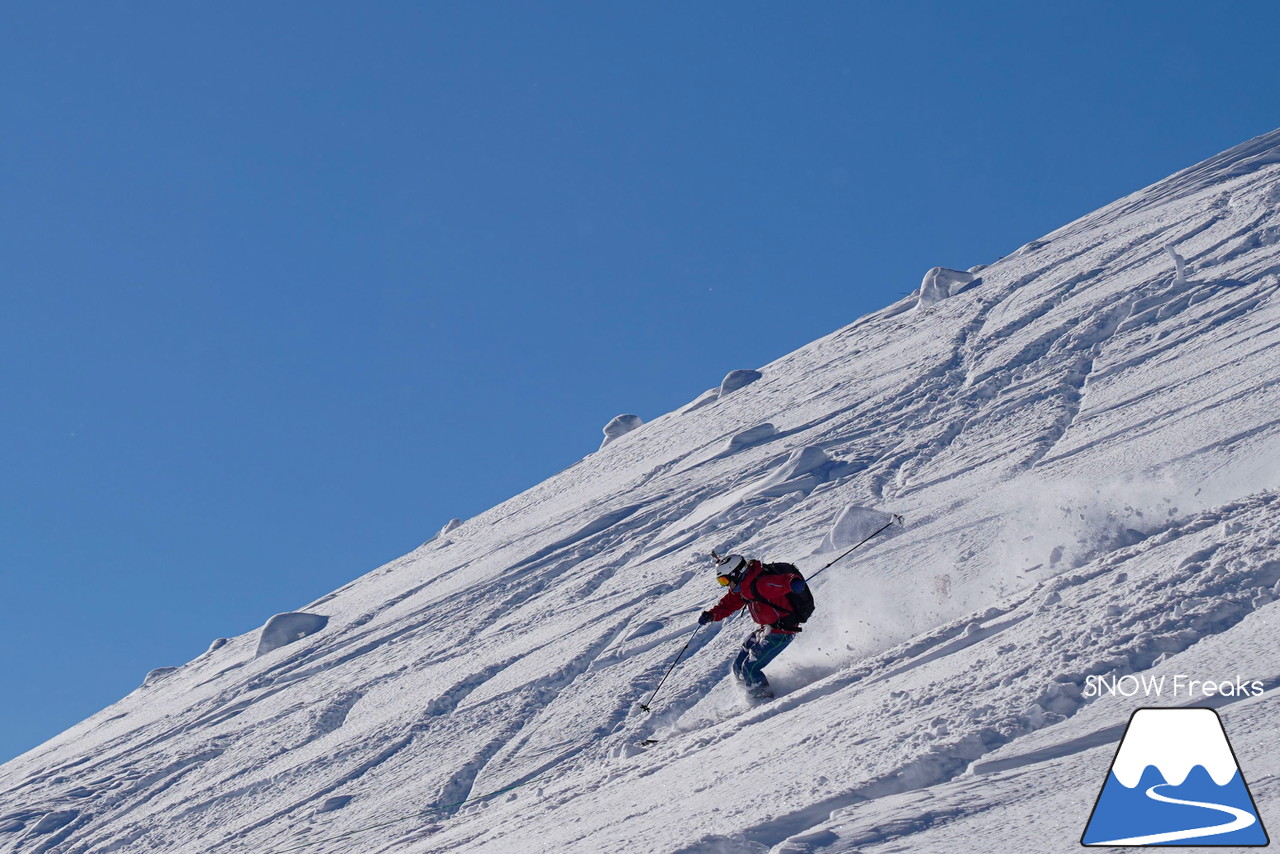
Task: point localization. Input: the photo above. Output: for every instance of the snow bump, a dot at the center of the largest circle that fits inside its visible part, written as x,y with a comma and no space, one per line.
284,629
802,471
156,675
940,283
54,821
752,436
852,526
335,803
218,643
620,426
1180,266
735,380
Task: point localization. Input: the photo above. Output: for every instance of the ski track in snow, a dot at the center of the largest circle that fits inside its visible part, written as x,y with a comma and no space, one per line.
939,686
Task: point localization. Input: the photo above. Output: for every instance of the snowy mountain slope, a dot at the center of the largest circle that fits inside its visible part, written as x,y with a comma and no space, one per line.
1081,441
1033,791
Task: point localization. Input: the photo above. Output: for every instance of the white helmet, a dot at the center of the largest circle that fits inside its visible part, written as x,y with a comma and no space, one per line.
731,567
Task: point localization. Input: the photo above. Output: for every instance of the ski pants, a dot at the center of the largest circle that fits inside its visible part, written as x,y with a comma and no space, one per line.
761,647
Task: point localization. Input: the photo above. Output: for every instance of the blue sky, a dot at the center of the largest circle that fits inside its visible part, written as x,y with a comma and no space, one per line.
287,286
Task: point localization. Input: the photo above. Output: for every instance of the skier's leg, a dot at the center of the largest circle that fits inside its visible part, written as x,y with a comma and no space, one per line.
744,656
749,673
767,648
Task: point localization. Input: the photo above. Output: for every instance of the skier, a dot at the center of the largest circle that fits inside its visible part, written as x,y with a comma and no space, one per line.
777,598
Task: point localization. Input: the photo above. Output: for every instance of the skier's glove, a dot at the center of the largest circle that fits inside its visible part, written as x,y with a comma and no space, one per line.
704,618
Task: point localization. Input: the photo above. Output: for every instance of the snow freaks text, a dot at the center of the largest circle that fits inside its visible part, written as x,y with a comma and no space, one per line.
1179,685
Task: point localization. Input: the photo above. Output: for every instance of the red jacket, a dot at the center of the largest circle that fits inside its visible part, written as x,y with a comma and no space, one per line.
764,595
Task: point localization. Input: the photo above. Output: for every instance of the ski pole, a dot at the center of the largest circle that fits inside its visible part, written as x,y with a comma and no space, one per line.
893,519
645,706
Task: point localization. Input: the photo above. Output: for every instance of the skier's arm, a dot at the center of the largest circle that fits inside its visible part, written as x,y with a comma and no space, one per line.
728,604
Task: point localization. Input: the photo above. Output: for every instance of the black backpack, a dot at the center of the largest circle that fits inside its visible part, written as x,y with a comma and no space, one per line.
801,603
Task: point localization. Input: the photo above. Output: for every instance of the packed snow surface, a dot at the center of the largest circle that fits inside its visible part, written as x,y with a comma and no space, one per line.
1083,447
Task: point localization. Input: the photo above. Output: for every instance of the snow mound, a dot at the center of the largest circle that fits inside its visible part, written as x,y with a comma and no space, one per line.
732,381
735,380
335,803
940,283
284,629
853,525
803,470
752,436
156,675
620,426
1180,265
450,526
218,643
54,821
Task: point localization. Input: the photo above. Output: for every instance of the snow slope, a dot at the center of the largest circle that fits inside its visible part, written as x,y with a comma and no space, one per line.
1082,442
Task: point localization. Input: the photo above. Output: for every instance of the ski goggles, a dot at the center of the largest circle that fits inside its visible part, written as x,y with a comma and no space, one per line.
724,580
